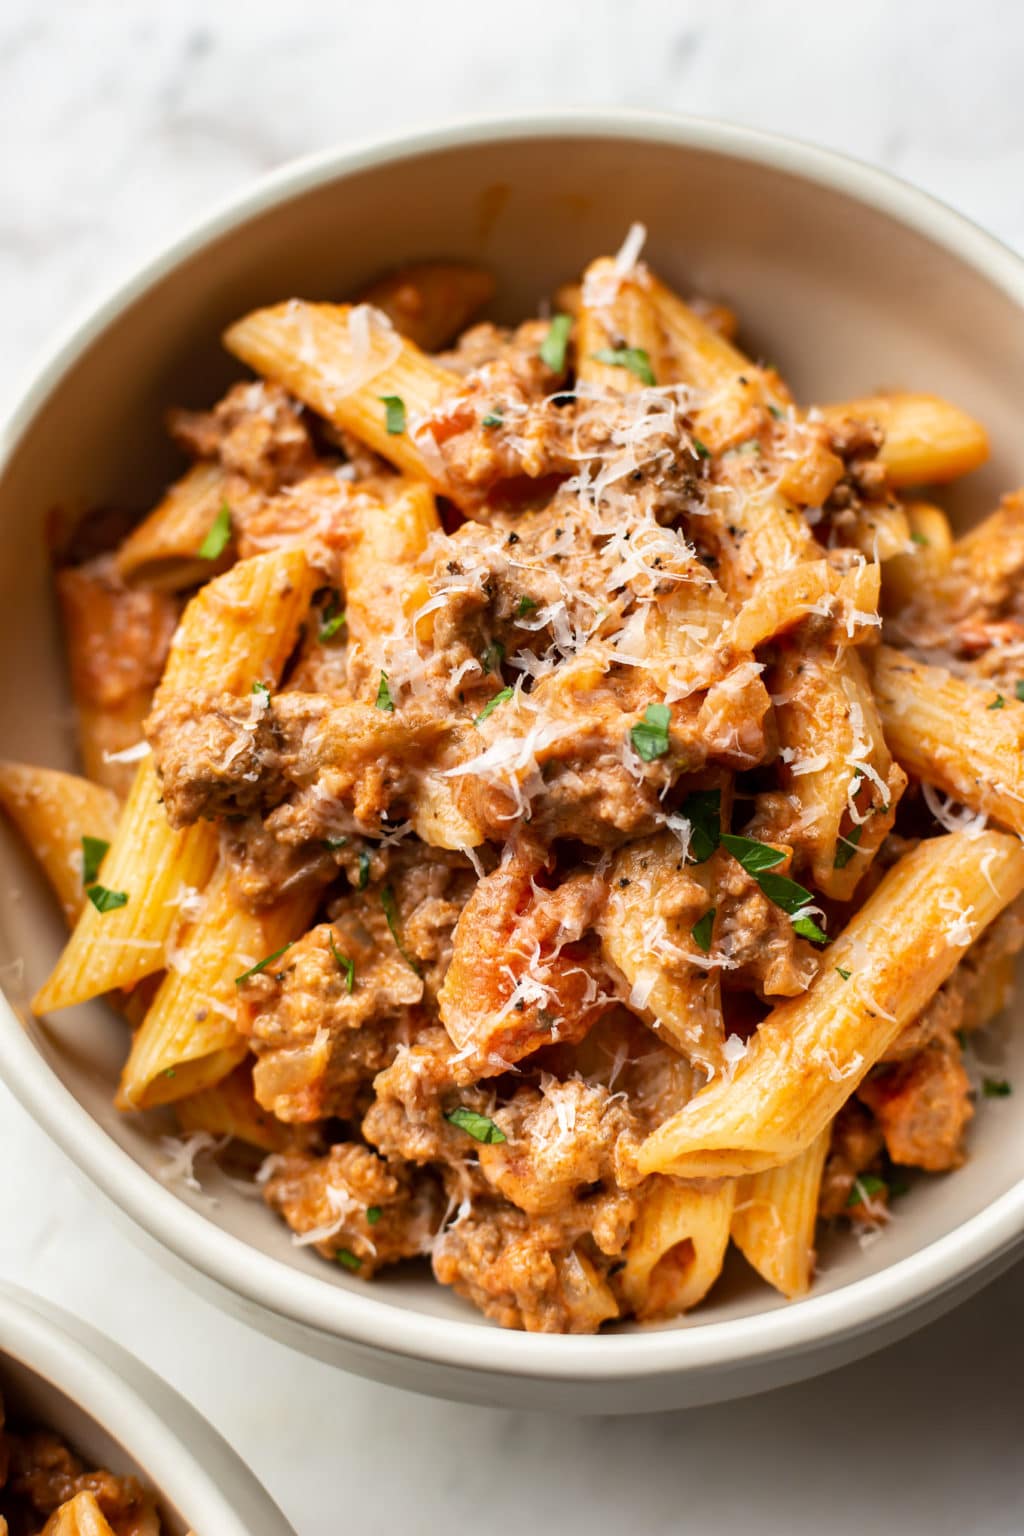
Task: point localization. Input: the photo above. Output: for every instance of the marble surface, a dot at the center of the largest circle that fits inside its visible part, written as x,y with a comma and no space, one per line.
117,123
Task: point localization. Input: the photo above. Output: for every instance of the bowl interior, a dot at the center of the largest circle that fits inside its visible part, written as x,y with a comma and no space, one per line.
33,1400
840,295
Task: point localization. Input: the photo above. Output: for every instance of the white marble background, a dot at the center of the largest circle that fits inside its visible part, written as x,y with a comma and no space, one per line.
119,121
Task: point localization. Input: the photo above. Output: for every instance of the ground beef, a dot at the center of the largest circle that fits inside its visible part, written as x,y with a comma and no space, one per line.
257,430
922,1106
855,1148
354,1207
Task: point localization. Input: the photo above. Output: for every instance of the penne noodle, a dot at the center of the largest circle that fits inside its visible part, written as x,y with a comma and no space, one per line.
344,363
53,812
241,627
811,1052
677,1245
154,868
189,1039
81,1516
965,738
775,1215
430,302
917,571
229,1108
163,551
617,317
927,440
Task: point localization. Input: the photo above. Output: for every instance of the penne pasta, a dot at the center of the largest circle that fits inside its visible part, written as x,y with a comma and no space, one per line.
775,1215
189,1039
163,552
963,737
927,439
54,812
677,1245
82,1516
229,1108
147,872
812,1051
344,361
618,335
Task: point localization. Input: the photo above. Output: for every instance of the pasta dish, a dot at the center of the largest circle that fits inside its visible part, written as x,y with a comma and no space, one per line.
548,794
46,1490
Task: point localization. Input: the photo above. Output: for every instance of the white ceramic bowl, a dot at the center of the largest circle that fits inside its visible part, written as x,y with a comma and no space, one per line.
59,1374
845,279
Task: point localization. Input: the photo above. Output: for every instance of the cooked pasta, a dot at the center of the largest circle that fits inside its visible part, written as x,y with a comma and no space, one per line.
538,858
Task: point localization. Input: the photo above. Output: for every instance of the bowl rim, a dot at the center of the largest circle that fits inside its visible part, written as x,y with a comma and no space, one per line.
202,1477
340,1310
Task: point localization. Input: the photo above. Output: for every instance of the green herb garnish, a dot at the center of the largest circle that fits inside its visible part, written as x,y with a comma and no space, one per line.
633,358
331,620
699,448
218,535
105,900
1018,689
384,699
703,810
394,414
996,1088
261,965
262,689
701,930
480,1127
334,843
919,538
844,974
650,735
93,849
364,870
846,847
552,348
492,704
524,606
373,1214
387,901
493,656
773,410
807,928
344,964
492,419
753,856
348,1258
997,703
864,1186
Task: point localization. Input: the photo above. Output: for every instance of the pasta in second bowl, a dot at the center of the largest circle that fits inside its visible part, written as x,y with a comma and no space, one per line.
526,846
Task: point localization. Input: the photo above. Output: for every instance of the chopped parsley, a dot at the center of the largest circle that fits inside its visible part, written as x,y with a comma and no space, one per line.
650,735
753,856
394,414
997,703
384,699
492,419
334,843
364,870
261,688
864,1186
844,974
105,900
699,449
492,704
552,348
703,810
996,1088
346,1257
1018,689
93,849
807,928
373,1214
701,930
524,606
261,965
344,964
387,901
218,535
480,1127
919,538
786,893
773,410
634,358
846,847
493,656
331,620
